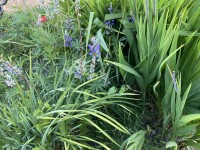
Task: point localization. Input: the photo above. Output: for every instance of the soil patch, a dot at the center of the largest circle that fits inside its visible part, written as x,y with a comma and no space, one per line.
21,4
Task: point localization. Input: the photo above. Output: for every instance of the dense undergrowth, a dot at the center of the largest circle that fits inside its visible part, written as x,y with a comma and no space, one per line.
101,74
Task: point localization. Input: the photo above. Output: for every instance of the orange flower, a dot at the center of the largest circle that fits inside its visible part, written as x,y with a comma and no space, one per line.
43,18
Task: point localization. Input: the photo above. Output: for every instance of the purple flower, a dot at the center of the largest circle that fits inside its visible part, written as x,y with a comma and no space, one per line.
78,74
94,48
109,23
69,23
110,8
80,69
14,70
131,19
68,41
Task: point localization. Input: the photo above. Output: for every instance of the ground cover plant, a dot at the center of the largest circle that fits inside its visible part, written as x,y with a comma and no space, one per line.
101,74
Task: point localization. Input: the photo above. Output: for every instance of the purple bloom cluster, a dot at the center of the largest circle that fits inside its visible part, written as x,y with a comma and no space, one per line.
95,53
80,70
68,41
109,23
131,19
7,70
77,7
56,6
69,23
110,8
94,48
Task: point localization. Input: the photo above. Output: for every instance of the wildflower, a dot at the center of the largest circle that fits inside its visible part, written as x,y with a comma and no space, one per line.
95,53
78,74
92,67
69,24
14,70
94,48
56,5
131,19
77,7
81,69
9,81
68,41
41,18
110,8
109,23
7,70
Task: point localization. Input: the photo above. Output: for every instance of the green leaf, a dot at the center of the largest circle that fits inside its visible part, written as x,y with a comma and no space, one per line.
100,38
36,148
188,118
184,130
171,144
126,68
112,16
89,28
112,90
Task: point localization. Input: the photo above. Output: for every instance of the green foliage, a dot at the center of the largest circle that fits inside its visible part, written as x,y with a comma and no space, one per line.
72,97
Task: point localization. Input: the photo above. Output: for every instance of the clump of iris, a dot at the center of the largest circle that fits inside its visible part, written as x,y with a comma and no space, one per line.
94,48
111,22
